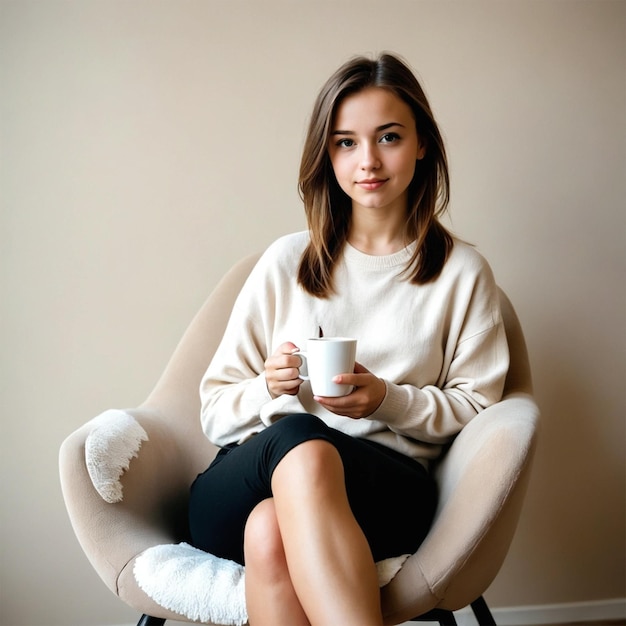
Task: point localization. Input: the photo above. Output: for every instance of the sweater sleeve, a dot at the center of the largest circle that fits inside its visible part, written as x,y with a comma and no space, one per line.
234,396
475,364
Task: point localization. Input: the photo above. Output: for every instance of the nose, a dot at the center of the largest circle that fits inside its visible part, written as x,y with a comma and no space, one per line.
369,157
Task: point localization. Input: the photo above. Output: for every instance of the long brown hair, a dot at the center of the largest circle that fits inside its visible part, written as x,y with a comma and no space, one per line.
328,209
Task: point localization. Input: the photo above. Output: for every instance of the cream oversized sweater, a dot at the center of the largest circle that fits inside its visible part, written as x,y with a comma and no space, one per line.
440,348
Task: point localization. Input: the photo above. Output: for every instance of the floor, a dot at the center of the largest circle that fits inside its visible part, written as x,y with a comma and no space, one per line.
600,622
619,622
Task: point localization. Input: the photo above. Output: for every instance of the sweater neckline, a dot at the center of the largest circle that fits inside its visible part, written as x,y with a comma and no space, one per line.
353,256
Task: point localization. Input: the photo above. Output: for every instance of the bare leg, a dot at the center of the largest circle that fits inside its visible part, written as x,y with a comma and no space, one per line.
270,596
330,562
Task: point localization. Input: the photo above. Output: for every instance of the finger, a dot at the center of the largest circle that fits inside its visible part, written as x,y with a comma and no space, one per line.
286,348
291,387
340,403
287,374
343,406
283,361
278,386
356,380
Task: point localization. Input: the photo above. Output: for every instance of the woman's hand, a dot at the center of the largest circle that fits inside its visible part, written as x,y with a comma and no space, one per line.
281,371
368,394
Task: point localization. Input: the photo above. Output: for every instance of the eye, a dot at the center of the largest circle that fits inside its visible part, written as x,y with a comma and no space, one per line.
389,138
345,143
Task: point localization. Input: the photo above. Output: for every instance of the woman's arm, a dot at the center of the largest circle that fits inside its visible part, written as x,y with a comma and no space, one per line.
474,381
249,381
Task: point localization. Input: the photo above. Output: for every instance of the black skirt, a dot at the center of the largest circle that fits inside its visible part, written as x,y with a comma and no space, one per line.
392,496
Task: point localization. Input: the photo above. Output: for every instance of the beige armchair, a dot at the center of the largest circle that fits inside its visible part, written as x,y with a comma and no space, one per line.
482,480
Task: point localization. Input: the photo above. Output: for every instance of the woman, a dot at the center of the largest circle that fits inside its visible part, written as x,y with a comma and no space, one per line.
309,492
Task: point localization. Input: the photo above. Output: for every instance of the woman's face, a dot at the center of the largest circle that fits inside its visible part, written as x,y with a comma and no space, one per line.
373,148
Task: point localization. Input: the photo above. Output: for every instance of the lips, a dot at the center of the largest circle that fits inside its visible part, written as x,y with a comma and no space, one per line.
371,184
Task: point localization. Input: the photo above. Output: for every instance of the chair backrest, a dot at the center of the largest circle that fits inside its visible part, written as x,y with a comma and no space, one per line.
176,394
519,375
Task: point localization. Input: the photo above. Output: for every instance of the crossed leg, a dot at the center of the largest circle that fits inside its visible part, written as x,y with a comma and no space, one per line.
307,559
270,596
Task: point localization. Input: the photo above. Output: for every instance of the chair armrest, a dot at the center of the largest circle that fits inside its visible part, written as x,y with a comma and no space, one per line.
511,423
482,481
155,491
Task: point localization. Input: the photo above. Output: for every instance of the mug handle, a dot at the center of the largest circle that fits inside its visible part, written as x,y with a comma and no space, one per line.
303,366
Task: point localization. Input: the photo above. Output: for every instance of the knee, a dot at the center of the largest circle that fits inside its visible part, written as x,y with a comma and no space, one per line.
263,546
314,462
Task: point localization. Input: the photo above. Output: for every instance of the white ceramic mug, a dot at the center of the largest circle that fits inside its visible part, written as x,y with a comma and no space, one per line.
323,359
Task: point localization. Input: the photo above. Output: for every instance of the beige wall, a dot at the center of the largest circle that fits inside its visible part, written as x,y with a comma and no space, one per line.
146,145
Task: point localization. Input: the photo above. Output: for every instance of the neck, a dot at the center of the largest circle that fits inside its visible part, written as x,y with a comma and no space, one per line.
375,234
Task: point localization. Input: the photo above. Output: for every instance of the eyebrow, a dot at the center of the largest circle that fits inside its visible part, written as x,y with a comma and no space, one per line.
378,129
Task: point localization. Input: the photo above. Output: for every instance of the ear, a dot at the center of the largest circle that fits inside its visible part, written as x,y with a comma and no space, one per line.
421,150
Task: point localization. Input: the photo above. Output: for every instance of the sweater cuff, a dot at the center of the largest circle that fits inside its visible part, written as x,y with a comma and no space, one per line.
257,393
398,402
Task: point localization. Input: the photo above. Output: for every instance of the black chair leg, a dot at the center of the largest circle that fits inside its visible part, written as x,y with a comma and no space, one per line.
482,613
147,620
445,618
